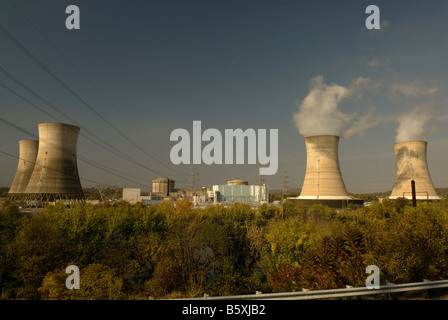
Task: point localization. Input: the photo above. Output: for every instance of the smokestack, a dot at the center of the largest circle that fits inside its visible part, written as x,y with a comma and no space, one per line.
323,179
412,165
27,158
55,174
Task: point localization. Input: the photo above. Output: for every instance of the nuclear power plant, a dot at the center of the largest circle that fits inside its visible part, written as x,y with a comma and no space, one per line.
412,166
27,159
323,183
53,174
47,172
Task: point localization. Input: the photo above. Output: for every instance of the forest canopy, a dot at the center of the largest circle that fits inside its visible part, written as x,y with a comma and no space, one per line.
172,250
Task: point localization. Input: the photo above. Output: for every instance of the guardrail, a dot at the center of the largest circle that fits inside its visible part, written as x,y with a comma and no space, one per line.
336,293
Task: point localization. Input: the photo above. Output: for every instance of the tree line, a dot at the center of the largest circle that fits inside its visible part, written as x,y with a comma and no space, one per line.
173,250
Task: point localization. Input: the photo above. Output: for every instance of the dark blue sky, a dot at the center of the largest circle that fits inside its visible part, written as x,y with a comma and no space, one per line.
149,67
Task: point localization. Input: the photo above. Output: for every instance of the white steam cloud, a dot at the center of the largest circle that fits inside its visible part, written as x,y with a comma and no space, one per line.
416,125
410,90
319,112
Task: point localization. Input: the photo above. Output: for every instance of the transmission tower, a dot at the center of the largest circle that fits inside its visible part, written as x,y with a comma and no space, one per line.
193,179
108,193
285,185
261,179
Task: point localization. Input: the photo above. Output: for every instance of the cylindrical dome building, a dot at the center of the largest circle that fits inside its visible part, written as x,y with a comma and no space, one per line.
237,182
163,186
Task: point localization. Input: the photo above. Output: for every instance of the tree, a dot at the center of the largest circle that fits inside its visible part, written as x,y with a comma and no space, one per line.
97,282
9,218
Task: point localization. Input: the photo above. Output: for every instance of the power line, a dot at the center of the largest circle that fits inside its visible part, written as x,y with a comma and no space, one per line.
56,49
11,155
193,178
46,102
84,159
30,103
18,128
85,103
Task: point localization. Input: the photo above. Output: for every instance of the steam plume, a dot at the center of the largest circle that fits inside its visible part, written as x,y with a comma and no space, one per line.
319,112
416,125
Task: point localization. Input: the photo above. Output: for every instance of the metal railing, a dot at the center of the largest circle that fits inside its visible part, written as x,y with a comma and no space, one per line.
336,293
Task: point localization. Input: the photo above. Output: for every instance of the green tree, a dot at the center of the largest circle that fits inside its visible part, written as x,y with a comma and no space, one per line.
10,217
97,282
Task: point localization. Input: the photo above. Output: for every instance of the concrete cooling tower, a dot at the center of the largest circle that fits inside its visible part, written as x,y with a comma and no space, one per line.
412,165
27,158
55,174
323,181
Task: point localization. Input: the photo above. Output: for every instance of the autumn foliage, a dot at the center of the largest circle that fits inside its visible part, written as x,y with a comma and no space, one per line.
174,250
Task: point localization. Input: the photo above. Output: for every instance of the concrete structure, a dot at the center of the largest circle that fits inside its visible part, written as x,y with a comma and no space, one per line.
163,186
412,165
27,158
131,194
55,174
134,195
197,196
323,178
245,193
237,182
323,181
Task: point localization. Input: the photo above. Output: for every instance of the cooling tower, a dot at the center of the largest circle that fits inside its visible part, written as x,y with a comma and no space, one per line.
323,179
412,165
27,158
55,174
323,182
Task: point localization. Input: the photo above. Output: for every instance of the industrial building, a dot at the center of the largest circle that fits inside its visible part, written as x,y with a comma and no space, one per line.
240,191
411,165
163,186
323,183
54,176
234,191
134,195
197,196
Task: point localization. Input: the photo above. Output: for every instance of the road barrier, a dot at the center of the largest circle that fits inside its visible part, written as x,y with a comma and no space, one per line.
336,293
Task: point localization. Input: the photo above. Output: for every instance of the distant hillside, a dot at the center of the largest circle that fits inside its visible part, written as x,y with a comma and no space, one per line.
280,191
442,191
4,191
